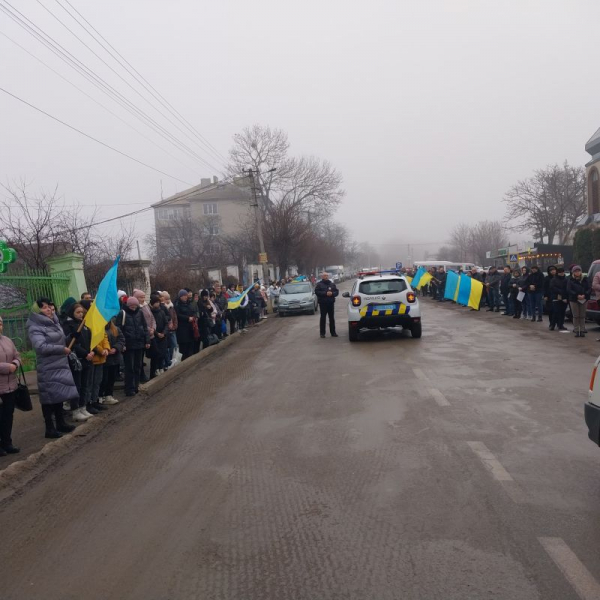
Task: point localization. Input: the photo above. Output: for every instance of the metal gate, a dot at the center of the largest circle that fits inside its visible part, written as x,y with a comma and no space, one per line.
19,290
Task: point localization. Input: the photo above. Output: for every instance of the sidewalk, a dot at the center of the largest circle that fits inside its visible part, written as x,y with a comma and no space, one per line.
28,427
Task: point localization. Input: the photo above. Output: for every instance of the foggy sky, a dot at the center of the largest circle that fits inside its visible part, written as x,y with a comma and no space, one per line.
430,110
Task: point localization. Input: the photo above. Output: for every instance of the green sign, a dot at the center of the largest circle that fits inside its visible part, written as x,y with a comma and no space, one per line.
7,256
502,251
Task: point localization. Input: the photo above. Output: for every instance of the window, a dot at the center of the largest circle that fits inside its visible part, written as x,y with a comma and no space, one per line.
212,249
595,191
210,209
382,286
212,229
173,213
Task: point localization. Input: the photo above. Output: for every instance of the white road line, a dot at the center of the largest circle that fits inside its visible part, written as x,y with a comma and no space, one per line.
419,374
572,568
439,397
490,461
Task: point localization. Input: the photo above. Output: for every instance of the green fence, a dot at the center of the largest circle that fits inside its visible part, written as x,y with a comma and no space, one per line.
19,290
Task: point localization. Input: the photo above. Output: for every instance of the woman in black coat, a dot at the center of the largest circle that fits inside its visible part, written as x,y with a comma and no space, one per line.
206,318
158,348
185,329
132,323
558,296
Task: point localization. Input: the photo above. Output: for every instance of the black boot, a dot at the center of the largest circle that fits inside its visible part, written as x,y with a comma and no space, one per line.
61,425
48,411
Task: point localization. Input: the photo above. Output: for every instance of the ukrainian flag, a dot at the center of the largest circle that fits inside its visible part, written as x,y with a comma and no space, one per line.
421,278
451,290
234,303
469,292
105,306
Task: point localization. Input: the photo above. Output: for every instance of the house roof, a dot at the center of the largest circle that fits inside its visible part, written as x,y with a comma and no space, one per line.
215,191
593,144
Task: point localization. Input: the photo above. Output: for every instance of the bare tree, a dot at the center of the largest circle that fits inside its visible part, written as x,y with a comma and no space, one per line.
296,193
549,203
472,242
30,221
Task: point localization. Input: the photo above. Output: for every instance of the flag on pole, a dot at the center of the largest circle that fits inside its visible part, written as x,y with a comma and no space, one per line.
234,303
105,306
421,278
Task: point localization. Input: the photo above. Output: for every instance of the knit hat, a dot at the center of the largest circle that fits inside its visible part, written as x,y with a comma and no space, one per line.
138,293
575,268
132,301
121,293
66,305
182,293
203,293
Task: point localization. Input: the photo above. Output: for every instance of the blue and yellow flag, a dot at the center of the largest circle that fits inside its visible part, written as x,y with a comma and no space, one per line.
451,290
234,303
469,292
105,305
421,278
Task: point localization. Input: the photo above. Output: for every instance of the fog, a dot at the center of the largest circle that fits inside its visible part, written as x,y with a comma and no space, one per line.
429,110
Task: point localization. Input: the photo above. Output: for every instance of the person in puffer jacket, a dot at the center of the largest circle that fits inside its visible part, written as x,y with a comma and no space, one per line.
55,381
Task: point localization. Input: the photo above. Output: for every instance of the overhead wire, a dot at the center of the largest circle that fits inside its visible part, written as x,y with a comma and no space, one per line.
96,101
139,77
112,69
92,137
95,79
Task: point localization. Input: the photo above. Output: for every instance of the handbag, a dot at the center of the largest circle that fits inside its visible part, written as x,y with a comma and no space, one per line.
22,396
213,340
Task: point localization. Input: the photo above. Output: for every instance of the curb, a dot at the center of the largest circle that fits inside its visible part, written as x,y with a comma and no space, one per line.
22,472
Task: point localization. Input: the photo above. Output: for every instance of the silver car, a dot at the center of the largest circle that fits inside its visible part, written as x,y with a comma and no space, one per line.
297,297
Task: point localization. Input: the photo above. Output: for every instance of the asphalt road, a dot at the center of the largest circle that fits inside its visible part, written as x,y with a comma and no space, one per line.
290,467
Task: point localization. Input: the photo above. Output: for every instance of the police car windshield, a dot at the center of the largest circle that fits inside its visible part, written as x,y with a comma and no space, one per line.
382,286
296,288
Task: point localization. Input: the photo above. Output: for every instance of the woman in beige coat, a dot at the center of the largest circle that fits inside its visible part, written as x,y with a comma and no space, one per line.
9,363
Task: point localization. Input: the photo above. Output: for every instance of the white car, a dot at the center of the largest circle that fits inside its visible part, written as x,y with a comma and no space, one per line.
380,300
297,297
592,406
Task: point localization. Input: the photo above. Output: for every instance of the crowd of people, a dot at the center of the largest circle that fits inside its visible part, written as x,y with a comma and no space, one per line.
526,293
144,339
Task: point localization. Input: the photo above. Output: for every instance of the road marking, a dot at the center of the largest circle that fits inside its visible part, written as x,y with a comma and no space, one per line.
439,397
490,461
572,568
419,374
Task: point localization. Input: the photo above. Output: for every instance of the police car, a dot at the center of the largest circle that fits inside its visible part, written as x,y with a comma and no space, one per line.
381,299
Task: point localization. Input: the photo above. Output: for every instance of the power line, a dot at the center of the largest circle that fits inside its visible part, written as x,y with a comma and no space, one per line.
135,73
91,137
95,79
111,68
96,101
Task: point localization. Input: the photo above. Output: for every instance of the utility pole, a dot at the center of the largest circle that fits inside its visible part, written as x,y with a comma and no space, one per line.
256,206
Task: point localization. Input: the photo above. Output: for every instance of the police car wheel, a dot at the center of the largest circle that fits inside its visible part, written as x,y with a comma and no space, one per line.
352,333
416,330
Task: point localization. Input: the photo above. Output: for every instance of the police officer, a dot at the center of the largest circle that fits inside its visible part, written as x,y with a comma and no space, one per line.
327,292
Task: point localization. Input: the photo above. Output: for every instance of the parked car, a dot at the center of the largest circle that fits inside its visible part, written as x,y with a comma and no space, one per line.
297,297
593,306
592,406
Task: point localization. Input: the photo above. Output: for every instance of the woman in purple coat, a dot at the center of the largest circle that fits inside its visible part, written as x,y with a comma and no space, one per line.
55,380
